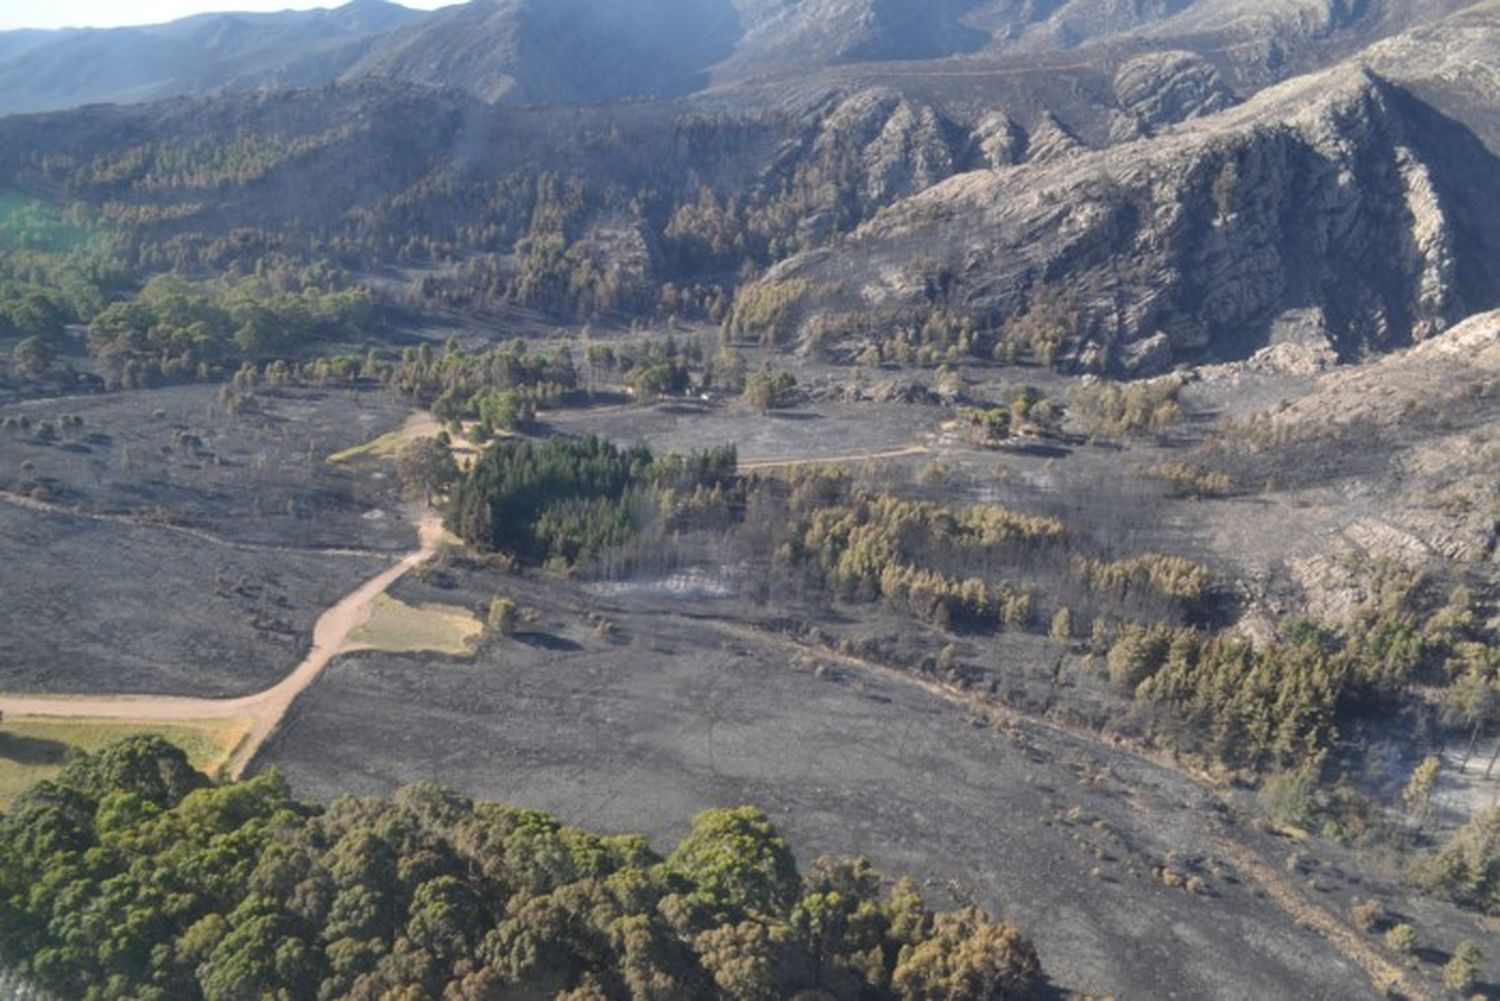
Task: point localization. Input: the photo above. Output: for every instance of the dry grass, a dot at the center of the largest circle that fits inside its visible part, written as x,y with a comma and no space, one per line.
387,446
34,748
396,627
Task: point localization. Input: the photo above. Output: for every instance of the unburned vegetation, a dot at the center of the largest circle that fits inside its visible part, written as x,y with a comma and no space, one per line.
36,749
433,893
396,627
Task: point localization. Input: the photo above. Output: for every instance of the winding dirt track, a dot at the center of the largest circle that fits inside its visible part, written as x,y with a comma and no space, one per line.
264,710
751,465
134,521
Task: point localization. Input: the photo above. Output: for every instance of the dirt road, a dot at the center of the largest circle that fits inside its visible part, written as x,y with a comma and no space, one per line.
751,465
264,709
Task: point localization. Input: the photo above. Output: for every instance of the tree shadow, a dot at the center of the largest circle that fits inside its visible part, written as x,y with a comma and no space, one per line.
32,750
1039,450
547,641
1431,955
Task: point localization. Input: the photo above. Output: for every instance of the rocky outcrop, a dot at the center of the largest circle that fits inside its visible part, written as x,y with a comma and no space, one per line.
1448,366
1163,88
1050,140
1339,192
548,51
1150,356
1434,407
999,141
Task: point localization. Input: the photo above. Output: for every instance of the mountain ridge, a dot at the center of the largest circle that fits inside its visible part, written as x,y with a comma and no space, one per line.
569,51
1330,192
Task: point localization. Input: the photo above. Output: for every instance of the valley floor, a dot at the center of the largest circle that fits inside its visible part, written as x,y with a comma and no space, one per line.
631,704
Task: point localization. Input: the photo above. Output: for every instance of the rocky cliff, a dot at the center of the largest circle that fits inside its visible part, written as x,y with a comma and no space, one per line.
1163,88
1341,191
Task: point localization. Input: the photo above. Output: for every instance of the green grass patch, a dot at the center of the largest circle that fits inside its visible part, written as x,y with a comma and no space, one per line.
34,748
396,627
387,446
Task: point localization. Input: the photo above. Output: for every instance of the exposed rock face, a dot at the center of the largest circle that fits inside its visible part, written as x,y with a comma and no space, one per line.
1150,356
547,51
1428,247
1164,88
1376,393
999,140
1339,192
1050,140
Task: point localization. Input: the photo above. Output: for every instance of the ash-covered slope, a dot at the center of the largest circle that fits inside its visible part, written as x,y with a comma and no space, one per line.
1356,199
1342,193
781,34
1283,26
1394,461
390,164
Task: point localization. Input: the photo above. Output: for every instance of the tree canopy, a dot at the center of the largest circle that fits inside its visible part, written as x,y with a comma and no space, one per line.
132,876
564,498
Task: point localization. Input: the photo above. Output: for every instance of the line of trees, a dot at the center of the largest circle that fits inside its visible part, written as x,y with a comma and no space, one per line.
912,553
177,326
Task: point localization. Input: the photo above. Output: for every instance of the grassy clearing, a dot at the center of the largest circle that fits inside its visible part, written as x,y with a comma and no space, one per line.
396,627
33,748
387,446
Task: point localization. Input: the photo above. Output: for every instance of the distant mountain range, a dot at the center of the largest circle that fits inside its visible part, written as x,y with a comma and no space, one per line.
589,51
47,70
